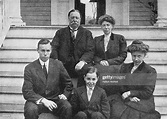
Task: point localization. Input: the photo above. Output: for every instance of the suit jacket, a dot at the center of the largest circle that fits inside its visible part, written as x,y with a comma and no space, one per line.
98,102
36,86
141,84
116,49
83,45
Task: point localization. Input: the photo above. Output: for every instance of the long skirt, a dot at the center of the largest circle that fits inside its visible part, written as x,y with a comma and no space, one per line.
119,110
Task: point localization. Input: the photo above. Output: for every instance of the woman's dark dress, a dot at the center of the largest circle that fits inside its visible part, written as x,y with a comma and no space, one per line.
141,84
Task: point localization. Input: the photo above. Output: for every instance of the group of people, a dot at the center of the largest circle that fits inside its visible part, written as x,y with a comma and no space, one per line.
75,54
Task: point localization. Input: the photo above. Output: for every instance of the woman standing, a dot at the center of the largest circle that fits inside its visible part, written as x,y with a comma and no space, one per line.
138,86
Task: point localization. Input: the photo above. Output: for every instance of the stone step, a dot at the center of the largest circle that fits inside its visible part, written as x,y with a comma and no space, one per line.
11,116
130,32
18,74
12,54
159,56
163,116
33,31
151,57
11,74
15,103
21,116
13,43
157,44
19,67
14,86
31,43
162,110
128,60
11,85
161,88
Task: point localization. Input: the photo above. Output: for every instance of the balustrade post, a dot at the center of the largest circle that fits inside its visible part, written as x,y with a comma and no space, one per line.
14,12
162,15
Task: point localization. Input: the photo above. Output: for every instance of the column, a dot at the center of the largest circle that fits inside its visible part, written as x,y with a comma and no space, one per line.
59,11
119,9
162,13
14,12
108,7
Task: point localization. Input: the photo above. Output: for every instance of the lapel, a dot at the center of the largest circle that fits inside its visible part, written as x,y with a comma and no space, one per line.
139,68
130,67
95,95
39,71
136,77
84,95
79,35
111,41
101,43
68,35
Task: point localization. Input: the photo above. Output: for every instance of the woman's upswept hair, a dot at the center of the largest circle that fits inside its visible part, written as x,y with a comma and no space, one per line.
107,18
138,45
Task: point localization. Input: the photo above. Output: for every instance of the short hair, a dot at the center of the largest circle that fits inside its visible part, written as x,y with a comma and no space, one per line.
138,45
107,18
91,70
43,41
74,10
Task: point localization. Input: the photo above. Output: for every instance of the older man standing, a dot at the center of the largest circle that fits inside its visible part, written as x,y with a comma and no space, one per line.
74,46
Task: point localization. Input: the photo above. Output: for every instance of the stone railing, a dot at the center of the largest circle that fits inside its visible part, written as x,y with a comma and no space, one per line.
9,16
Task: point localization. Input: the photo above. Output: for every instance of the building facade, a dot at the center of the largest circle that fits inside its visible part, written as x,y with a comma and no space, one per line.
54,12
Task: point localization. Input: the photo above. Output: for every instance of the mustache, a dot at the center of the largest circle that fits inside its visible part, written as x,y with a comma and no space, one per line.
74,22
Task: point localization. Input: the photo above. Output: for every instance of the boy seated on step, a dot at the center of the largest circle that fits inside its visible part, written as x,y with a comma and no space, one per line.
90,101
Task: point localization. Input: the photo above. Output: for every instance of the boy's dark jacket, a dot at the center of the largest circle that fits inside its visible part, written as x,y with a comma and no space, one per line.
98,102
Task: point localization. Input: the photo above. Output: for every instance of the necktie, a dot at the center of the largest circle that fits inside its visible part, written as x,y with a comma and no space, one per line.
73,33
89,93
45,71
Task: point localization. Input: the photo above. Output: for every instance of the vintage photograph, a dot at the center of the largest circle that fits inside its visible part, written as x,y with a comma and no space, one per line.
83,59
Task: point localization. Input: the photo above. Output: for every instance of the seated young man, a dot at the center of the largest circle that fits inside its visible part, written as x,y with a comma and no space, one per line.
90,101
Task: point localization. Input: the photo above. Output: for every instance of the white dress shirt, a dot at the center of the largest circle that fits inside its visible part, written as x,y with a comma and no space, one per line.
74,30
89,92
47,67
135,67
106,41
46,64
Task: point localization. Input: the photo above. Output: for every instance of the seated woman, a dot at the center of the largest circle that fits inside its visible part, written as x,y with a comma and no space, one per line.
110,51
137,91
110,48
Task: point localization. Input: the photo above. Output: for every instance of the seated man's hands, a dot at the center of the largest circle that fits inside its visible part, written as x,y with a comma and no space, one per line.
79,65
62,96
104,63
134,99
126,94
49,104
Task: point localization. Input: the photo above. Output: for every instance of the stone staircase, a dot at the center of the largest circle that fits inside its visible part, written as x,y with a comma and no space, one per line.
19,48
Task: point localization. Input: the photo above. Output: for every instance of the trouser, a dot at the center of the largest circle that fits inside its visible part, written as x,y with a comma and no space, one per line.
93,115
33,110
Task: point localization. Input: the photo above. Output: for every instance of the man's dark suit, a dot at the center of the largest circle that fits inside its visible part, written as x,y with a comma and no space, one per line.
98,102
83,48
116,49
36,86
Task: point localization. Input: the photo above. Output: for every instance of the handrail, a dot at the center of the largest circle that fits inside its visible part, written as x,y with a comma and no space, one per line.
4,21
